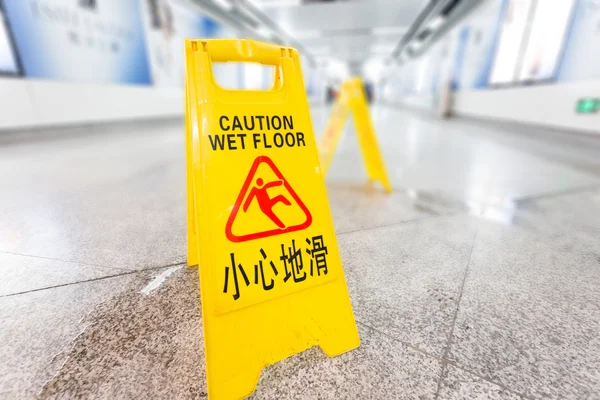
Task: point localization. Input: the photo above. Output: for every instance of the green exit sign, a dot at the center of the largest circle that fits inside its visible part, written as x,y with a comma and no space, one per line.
587,106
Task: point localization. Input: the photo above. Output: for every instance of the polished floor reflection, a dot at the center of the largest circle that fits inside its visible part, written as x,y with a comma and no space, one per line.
478,277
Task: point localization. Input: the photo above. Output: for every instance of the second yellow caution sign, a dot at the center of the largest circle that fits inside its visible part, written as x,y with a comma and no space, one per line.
271,279
352,99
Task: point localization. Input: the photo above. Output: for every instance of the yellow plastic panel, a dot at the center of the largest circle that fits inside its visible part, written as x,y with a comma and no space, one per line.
334,130
352,99
192,238
366,133
271,278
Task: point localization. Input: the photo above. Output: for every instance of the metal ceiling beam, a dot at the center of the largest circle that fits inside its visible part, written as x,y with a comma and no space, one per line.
413,28
247,18
458,14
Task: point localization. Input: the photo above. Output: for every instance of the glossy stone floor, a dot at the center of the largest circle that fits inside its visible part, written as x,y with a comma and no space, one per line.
477,278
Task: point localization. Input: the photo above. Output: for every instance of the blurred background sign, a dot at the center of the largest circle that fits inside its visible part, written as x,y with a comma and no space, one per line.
86,41
588,106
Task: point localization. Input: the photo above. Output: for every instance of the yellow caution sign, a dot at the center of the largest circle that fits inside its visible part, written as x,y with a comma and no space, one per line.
271,279
192,237
352,99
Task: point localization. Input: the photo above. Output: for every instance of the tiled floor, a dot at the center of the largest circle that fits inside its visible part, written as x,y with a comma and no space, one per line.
479,277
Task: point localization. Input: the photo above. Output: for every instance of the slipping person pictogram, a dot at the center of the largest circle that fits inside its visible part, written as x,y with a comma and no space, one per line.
255,189
265,202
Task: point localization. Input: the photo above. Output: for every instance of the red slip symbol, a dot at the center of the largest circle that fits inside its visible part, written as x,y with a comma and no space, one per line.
257,191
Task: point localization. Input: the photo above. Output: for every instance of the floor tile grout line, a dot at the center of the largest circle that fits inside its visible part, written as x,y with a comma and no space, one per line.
85,190
444,359
400,223
395,339
90,280
65,261
500,385
453,363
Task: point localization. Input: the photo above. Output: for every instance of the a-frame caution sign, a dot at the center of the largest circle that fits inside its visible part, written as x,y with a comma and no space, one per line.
256,191
259,225
352,99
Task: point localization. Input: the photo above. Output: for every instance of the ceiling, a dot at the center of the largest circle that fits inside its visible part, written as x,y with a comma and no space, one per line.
351,31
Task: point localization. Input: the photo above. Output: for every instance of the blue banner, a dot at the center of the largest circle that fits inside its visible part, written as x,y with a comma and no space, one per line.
80,40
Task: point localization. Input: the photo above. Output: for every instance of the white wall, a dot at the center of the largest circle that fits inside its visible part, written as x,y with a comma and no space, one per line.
37,103
550,105
545,105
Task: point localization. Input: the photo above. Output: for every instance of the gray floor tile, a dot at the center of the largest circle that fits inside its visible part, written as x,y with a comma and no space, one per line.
44,167
134,221
458,384
38,329
360,206
149,346
566,207
380,368
139,345
571,222
25,273
404,280
529,317
564,147
566,223
426,155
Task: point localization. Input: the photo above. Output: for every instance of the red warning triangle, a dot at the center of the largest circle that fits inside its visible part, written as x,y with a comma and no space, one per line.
258,193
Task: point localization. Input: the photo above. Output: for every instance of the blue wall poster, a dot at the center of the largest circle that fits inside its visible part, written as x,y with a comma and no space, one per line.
80,40
463,40
9,64
167,25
